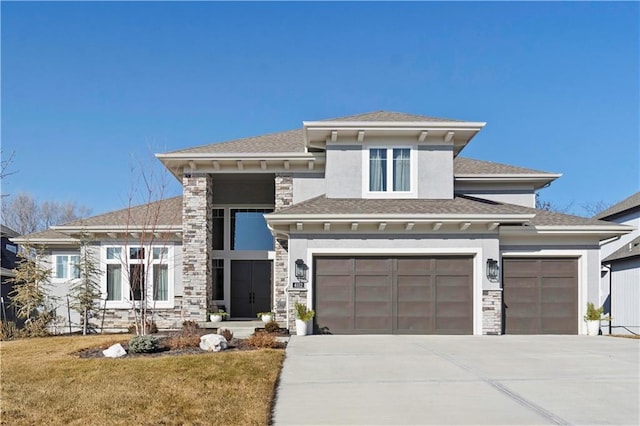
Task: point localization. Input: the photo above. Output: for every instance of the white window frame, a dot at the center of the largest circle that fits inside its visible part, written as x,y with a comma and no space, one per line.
125,262
390,193
70,266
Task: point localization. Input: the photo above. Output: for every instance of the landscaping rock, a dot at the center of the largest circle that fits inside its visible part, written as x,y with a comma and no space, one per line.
114,351
213,342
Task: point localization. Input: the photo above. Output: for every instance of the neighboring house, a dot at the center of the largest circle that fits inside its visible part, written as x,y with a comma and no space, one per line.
620,283
373,220
9,253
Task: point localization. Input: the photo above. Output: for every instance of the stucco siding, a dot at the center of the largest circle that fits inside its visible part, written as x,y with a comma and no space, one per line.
308,185
435,172
504,193
344,171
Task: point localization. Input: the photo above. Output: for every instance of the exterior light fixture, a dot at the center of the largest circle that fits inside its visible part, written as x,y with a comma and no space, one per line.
301,270
493,270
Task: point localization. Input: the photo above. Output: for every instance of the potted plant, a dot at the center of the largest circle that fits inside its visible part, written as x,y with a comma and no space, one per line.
266,316
217,316
303,316
593,318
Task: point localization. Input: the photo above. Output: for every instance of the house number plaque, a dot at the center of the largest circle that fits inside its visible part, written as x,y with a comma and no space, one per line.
298,285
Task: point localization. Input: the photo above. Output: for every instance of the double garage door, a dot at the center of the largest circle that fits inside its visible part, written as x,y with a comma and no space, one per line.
394,295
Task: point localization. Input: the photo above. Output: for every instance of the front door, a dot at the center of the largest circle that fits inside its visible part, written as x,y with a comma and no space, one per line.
250,287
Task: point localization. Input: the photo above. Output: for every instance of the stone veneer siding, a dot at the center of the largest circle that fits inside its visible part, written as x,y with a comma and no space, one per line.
283,198
492,312
197,235
117,320
295,296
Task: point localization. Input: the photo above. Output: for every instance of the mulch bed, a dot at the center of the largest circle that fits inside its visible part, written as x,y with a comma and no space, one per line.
234,345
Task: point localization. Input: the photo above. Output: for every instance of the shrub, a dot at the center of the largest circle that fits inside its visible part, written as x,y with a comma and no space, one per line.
226,333
8,330
144,344
190,328
38,326
183,341
152,328
593,313
272,327
262,340
303,313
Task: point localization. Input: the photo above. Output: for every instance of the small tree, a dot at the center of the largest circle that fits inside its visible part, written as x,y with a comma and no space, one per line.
85,291
30,293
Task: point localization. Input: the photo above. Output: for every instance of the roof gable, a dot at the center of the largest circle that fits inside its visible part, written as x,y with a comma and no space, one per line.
625,252
627,204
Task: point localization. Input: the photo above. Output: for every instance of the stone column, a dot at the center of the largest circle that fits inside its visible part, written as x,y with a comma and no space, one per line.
283,198
197,218
492,312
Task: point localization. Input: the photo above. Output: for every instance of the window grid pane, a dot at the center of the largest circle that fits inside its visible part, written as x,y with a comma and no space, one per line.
61,267
377,169
161,282
113,253
401,169
218,279
114,282
160,253
74,266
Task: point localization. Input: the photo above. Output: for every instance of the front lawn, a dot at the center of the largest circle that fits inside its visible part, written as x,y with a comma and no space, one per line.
44,383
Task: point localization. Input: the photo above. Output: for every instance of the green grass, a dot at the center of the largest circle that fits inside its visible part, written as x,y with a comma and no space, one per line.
43,383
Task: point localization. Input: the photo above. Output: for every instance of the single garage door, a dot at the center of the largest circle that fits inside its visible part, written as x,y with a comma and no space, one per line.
540,296
389,295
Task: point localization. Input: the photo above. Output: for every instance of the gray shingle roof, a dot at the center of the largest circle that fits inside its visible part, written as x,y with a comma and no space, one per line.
292,140
459,205
390,116
628,250
332,206
288,141
627,204
469,166
169,212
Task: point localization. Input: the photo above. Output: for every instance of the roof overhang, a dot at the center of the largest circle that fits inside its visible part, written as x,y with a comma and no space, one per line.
189,163
537,181
601,231
120,231
318,133
397,223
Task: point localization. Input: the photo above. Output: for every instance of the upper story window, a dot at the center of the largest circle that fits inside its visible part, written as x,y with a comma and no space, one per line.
67,266
390,170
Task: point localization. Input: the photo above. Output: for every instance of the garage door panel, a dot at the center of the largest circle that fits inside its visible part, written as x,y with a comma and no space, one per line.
372,266
559,267
545,303
411,266
414,288
331,266
451,265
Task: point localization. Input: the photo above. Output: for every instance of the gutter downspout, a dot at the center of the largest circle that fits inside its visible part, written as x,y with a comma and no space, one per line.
610,298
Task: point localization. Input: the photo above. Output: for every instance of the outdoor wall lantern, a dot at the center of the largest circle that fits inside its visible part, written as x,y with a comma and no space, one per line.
493,270
301,270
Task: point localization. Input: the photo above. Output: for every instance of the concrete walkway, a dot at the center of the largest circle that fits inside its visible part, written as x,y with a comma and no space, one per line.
416,380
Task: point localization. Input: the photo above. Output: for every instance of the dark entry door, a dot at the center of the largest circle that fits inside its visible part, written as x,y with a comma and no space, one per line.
250,287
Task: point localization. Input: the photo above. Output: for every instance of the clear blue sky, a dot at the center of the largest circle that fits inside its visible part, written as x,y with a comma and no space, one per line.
86,86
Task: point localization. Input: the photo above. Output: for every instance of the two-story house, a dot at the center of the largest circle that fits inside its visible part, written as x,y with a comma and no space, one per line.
374,220
620,282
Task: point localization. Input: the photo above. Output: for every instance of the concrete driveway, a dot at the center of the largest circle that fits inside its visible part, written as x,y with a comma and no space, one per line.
511,380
